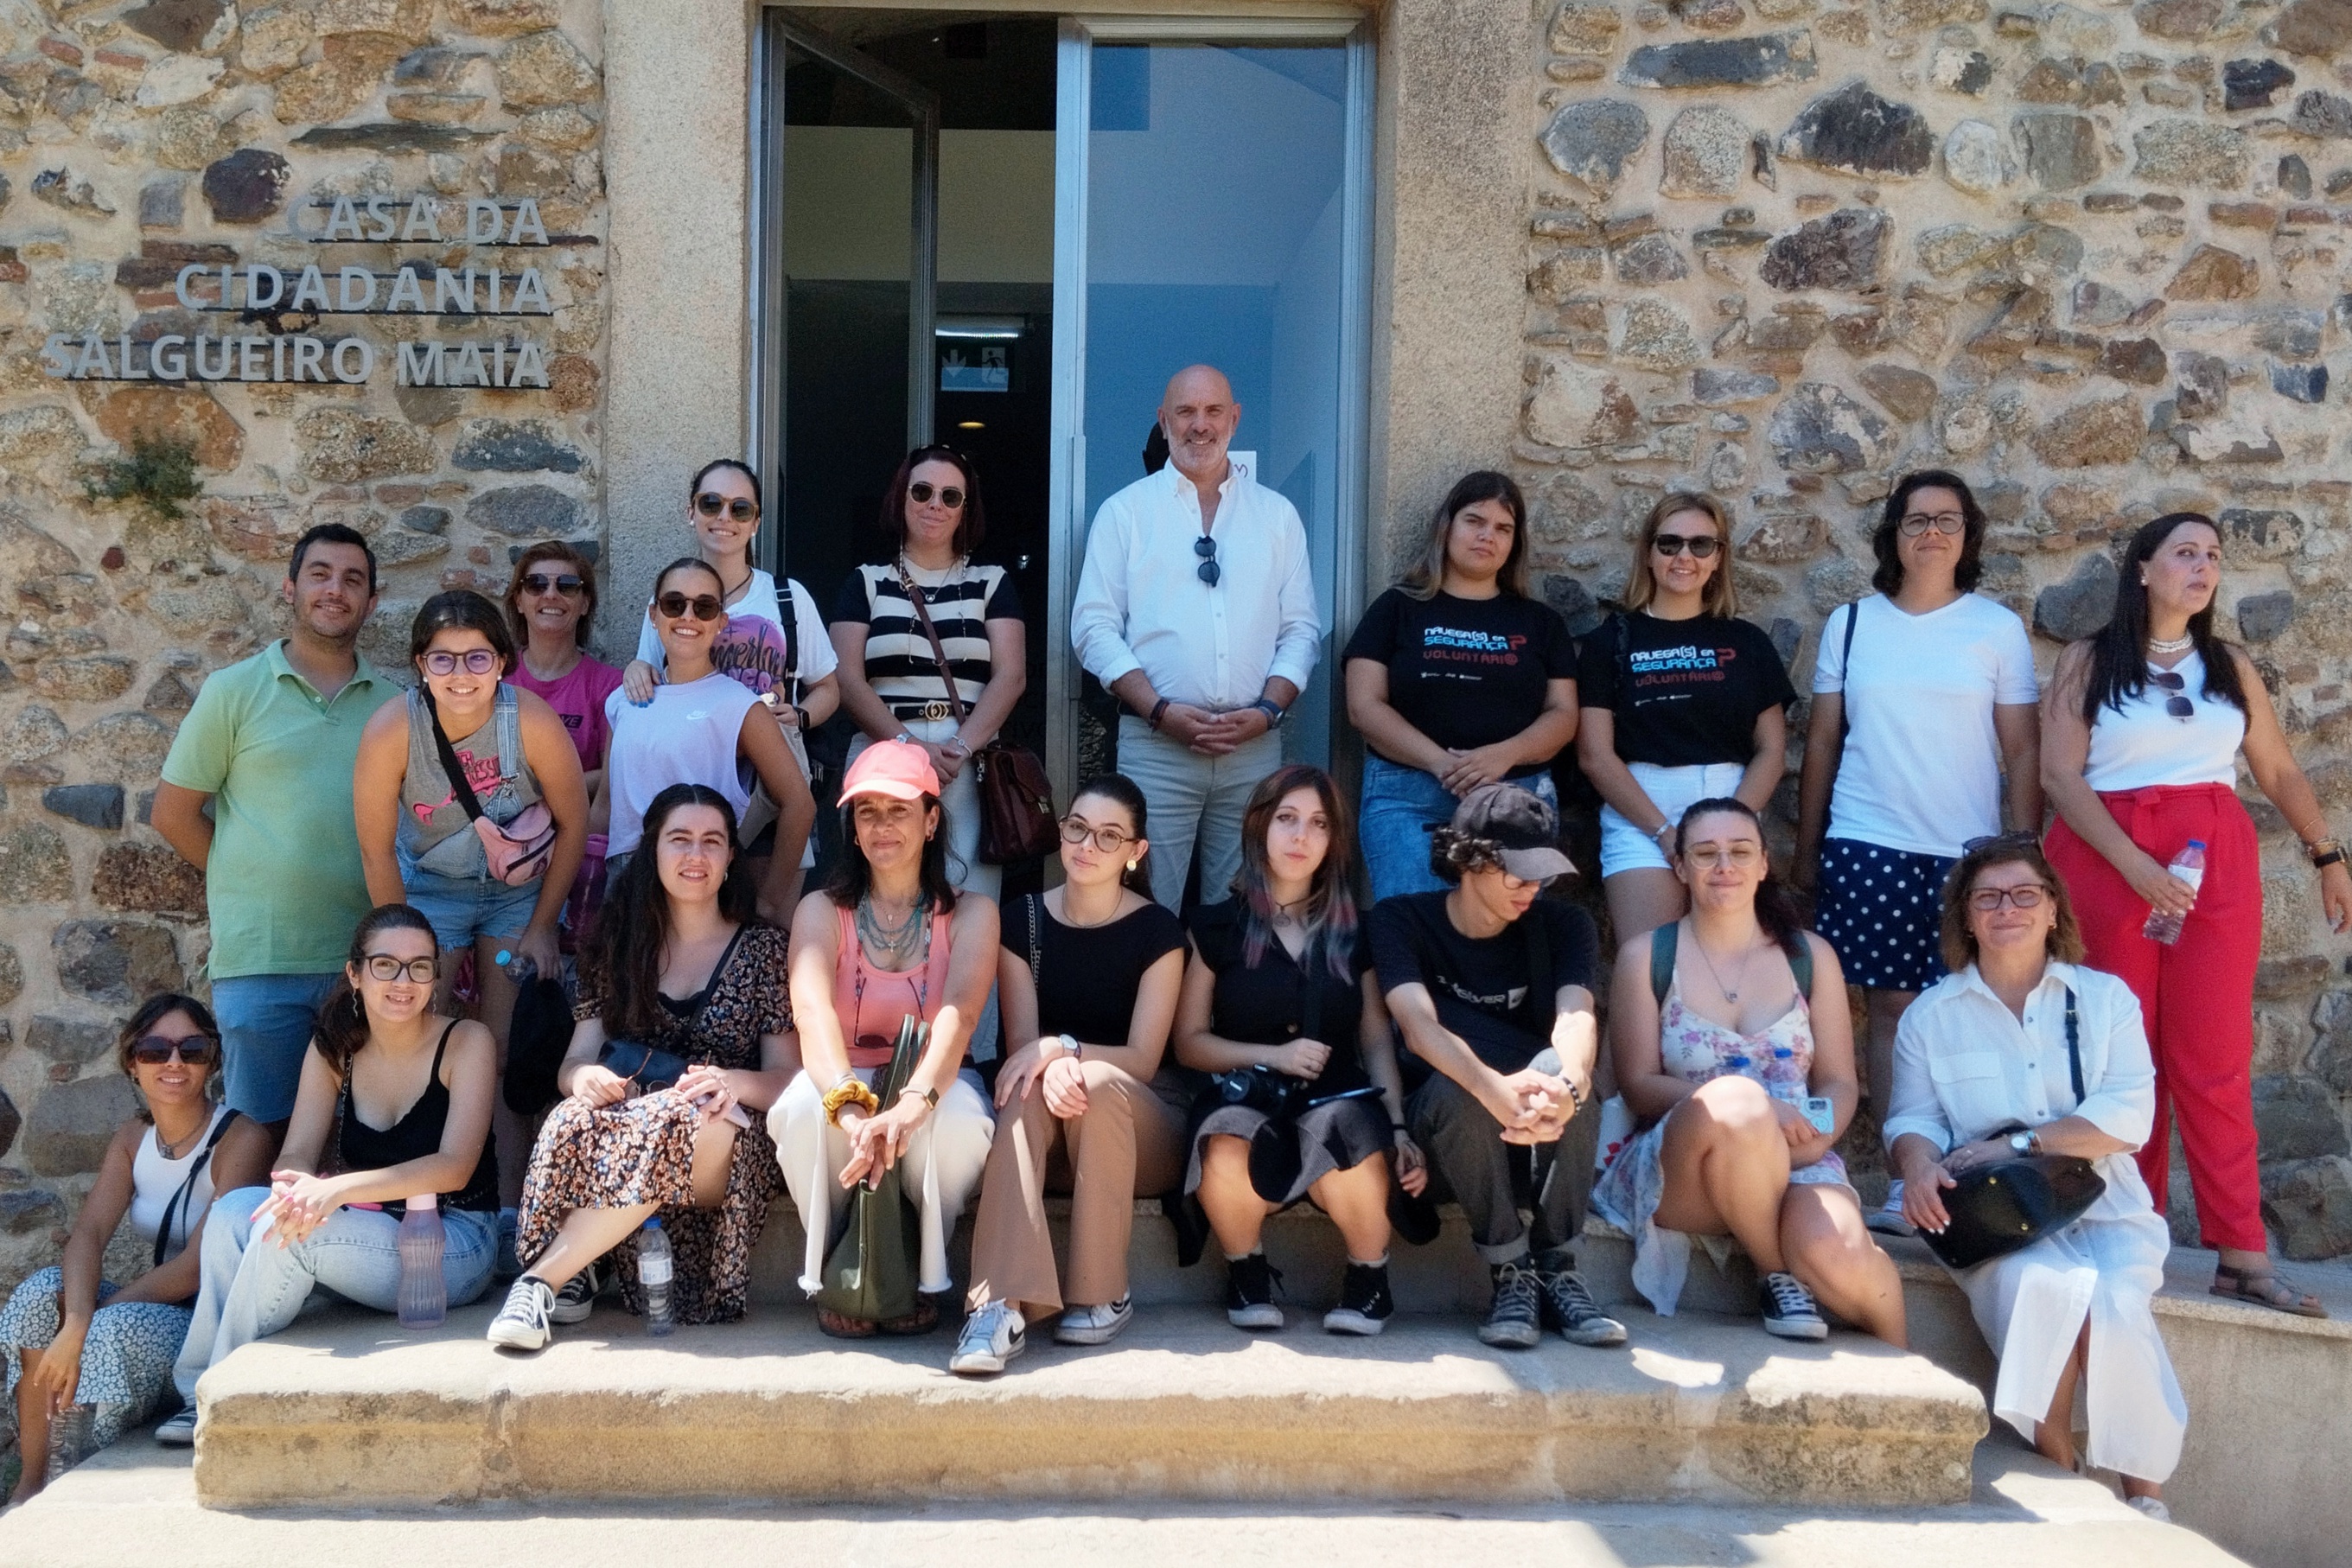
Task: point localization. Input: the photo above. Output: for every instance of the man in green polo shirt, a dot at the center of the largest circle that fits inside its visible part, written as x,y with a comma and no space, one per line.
270,743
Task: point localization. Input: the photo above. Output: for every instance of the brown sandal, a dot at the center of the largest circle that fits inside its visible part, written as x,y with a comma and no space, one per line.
2264,1289
921,1320
836,1326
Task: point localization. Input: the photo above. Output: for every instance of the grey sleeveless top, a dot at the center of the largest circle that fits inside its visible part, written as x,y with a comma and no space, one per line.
435,834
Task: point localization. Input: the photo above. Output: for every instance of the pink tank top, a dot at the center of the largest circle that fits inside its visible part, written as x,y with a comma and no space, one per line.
871,1003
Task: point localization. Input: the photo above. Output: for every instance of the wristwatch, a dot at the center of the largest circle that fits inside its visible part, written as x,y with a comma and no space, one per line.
1070,1044
1272,711
2024,1143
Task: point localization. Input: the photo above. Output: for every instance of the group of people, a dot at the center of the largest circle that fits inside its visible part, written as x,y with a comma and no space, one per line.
1268,1041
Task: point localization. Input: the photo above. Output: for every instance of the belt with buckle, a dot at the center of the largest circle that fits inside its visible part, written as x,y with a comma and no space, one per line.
922,710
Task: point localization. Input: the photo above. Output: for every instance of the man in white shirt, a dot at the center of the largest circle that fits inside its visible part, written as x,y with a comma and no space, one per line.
1196,608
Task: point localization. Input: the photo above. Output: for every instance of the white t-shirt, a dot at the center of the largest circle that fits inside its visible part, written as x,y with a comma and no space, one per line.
686,734
1921,771
2144,746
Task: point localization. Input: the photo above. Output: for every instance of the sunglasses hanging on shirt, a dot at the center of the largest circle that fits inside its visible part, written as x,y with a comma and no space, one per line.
2178,704
1208,571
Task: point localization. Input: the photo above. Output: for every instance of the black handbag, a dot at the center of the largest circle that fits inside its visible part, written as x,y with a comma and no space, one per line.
873,1267
650,1068
1998,1208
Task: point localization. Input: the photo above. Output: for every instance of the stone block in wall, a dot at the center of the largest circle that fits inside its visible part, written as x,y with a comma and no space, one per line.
11,1122
69,1042
1575,406
2192,153
1593,142
246,186
504,18
32,1211
514,447
1706,151
344,446
2263,617
12,986
35,868
1818,429
129,412
119,962
532,511
2089,435
2314,28
145,879
2080,605
543,68
127,745
1906,394
91,805
2309,1204
184,25
1845,250
1764,61
2296,1119
72,1123
2212,272
1856,131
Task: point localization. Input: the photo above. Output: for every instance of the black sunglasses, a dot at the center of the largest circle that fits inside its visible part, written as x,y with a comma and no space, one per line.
2178,704
196,1050
921,491
705,606
568,585
1700,545
710,503
1206,548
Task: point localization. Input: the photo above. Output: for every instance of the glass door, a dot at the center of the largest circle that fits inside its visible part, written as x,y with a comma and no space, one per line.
1211,187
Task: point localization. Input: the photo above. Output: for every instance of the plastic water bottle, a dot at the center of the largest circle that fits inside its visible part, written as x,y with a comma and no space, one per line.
2189,867
68,1436
1782,1079
654,1274
424,1294
522,970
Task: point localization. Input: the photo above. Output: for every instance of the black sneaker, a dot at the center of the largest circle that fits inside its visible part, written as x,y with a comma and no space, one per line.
1249,1292
576,1299
1515,1319
1569,1306
1789,1310
1364,1302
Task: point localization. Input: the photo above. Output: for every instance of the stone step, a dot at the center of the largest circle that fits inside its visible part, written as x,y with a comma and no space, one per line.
345,1410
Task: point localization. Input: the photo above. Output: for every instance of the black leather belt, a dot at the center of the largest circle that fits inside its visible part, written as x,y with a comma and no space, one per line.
921,710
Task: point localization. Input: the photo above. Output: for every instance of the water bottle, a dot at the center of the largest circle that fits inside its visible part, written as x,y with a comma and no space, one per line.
2189,867
1782,1077
654,1274
423,1295
521,970
68,1436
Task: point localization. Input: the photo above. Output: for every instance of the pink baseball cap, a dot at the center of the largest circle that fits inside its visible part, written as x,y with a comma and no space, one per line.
891,768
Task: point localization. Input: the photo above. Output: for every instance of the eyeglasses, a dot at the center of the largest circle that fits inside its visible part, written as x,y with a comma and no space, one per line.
1919,523
1984,901
385,967
1207,571
1700,545
568,585
2178,704
1710,856
710,503
1109,840
196,1050
921,491
706,606
476,660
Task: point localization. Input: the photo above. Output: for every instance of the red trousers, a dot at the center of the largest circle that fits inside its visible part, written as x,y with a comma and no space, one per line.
2197,995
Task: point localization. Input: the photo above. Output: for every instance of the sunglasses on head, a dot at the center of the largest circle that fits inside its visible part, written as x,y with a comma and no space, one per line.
710,503
568,585
476,660
2018,837
705,606
1208,570
2178,704
196,1051
921,491
1700,545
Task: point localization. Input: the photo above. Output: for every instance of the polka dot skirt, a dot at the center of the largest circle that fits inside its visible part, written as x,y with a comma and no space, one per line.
1882,911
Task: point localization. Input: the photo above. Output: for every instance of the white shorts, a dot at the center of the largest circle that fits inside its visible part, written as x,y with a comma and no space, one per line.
1625,847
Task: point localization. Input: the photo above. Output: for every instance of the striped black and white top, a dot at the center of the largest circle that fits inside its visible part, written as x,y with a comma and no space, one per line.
961,599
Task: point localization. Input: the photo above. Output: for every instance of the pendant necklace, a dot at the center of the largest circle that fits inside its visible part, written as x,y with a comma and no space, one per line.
894,945
1729,993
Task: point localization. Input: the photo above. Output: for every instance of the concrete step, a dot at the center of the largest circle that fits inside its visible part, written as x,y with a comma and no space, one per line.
346,1410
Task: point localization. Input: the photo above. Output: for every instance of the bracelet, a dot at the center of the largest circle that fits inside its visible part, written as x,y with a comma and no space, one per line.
906,738
800,718
1659,837
849,1091
1158,708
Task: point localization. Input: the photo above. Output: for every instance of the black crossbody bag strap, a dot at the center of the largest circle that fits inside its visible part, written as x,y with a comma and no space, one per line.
2074,1047
458,787
1845,669
177,1208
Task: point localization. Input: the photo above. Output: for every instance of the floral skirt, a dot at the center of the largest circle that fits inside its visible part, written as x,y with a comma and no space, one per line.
642,1152
126,1359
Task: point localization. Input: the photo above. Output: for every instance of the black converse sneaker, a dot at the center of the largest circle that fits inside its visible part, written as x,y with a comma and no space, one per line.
1569,1306
521,1323
1515,1319
1249,1292
1365,1303
1789,1310
576,1299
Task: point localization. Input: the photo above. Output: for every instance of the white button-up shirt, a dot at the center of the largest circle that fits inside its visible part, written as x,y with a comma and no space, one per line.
1141,604
1964,1066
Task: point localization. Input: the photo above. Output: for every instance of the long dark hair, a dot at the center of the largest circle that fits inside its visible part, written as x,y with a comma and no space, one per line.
342,1017
1425,576
1121,791
1887,541
971,529
634,925
2119,650
852,877
153,1010
1331,907
694,488
462,609
1776,909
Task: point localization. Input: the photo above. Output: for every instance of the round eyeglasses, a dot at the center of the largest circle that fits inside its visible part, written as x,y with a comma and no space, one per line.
475,660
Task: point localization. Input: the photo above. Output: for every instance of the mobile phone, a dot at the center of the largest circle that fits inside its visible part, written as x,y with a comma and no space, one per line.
1821,1112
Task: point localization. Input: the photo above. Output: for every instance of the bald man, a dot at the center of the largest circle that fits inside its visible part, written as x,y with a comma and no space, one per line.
1196,608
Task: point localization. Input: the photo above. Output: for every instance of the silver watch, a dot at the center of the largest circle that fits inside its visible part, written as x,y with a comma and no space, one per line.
2022,1143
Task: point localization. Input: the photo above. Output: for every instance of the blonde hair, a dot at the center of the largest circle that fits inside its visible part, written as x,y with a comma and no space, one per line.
1719,597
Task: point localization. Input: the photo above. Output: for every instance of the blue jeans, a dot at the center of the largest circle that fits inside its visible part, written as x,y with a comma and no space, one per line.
251,1286
266,1023
1402,804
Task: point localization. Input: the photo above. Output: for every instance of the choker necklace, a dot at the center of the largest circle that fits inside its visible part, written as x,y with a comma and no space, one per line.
2172,645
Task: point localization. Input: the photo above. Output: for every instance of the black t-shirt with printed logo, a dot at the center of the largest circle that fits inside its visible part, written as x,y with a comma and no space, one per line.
1685,693
1484,988
1466,672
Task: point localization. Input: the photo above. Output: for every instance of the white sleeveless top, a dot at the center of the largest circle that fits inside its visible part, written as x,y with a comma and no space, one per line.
155,1180
2144,746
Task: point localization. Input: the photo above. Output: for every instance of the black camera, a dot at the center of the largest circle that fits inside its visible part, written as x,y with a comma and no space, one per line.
1262,1090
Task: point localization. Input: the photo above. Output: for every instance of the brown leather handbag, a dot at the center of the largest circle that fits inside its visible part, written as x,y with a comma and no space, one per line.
1016,801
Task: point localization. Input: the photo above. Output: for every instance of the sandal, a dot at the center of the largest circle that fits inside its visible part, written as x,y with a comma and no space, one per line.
2264,1289
921,1320
836,1326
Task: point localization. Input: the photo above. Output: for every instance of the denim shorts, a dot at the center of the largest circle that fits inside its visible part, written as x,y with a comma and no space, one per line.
1402,806
464,908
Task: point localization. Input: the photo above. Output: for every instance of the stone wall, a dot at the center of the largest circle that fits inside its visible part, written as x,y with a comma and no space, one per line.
135,138
2091,256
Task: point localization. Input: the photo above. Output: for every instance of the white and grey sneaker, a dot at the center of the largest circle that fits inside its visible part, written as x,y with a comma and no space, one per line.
1789,1310
992,1337
521,1323
1887,1219
178,1431
2152,1507
1094,1325
576,1299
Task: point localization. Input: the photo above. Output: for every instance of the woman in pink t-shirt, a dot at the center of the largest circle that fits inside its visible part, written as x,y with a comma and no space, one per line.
550,603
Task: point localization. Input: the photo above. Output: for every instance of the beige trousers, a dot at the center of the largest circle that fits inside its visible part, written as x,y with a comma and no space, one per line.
1129,1141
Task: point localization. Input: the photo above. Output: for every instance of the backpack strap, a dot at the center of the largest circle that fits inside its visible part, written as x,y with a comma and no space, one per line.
1663,942
791,608
1801,964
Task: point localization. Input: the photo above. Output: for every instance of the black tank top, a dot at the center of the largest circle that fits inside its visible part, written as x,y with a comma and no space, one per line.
415,1136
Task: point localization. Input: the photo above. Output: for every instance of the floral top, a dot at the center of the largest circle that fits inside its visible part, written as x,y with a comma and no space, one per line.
748,997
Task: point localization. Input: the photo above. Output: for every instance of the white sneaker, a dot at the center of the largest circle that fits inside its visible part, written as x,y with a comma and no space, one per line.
576,1299
1887,1218
178,1431
2151,1505
521,1323
1094,1325
992,1336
